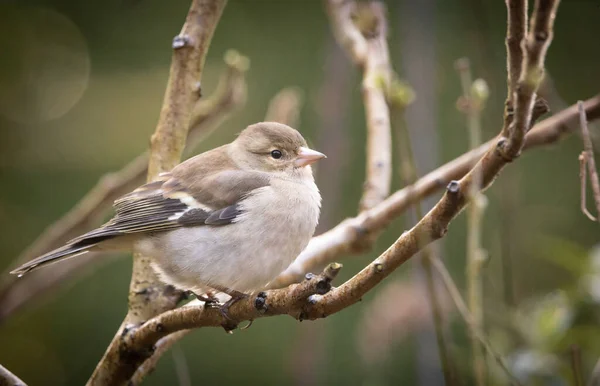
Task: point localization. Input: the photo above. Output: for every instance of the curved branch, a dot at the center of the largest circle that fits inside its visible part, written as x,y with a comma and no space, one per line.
353,235
435,224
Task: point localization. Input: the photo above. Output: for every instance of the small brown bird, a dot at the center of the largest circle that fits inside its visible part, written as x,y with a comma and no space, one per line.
230,219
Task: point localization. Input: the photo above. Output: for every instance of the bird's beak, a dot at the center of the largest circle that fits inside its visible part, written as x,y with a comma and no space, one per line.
307,156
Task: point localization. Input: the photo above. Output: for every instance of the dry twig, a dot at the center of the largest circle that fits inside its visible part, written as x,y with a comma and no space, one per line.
587,159
361,28
147,296
409,176
516,31
469,319
209,114
474,96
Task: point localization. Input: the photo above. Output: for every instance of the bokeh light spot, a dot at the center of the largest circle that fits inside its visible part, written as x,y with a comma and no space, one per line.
44,66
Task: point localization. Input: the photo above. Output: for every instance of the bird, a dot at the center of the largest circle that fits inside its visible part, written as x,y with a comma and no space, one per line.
228,220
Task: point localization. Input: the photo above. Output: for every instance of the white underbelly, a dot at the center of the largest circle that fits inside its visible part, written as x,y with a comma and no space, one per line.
242,256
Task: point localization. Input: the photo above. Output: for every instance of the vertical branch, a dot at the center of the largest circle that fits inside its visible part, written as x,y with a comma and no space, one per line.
468,317
587,159
473,98
536,45
361,28
147,296
516,30
409,176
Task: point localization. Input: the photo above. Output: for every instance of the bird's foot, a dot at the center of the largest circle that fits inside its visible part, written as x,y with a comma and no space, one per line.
210,301
231,324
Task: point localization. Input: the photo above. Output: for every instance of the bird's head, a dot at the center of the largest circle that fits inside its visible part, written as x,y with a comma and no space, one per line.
276,148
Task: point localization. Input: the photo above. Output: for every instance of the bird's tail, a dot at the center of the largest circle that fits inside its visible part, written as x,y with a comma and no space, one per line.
59,254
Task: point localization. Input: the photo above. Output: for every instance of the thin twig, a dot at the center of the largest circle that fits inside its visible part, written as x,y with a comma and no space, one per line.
160,348
469,319
209,114
9,379
361,28
583,181
588,159
536,45
474,97
148,297
516,30
354,235
409,176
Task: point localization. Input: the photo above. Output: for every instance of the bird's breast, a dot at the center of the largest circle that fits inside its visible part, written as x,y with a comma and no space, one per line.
276,224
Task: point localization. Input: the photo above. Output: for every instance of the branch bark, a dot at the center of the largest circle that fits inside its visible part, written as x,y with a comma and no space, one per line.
361,28
208,114
147,296
516,31
353,235
304,300
435,224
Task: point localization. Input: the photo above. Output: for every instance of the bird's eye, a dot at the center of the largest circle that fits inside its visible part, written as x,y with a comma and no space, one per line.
276,154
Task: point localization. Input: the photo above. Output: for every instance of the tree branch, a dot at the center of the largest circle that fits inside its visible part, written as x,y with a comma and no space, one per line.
361,28
474,97
516,30
353,235
536,45
515,36
138,343
208,114
147,295
306,300
435,224
9,379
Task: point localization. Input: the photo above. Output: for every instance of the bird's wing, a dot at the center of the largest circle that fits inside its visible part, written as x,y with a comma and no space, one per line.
169,203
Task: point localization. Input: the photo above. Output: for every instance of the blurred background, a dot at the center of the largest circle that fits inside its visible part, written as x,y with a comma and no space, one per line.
81,85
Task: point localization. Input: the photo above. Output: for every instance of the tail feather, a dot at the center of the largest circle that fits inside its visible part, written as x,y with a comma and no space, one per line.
54,256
